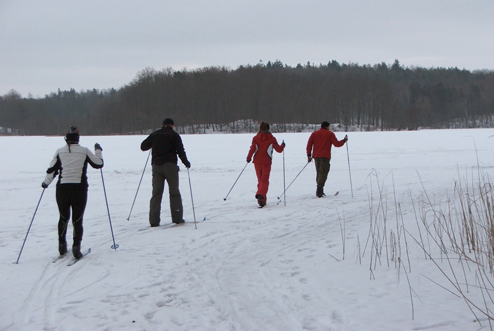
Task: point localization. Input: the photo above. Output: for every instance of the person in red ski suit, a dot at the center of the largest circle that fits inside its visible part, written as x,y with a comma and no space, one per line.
319,149
262,150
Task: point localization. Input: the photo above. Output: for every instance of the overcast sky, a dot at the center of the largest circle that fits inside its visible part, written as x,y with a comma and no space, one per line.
86,44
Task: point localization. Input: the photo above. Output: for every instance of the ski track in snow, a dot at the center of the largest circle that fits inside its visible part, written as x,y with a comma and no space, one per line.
243,268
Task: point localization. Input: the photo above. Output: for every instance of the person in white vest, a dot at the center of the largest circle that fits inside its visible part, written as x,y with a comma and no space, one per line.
70,164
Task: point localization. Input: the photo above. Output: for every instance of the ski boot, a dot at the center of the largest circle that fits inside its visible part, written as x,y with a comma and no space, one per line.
62,247
260,200
76,250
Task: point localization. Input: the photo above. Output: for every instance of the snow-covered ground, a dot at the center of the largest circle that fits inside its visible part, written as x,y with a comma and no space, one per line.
307,265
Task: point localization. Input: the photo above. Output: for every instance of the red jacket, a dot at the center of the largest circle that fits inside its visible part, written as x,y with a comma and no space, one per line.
320,142
262,145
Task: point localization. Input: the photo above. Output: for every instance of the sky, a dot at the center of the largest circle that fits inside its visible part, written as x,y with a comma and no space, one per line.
51,45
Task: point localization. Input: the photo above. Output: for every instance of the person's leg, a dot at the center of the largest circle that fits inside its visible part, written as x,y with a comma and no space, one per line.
63,203
259,197
79,201
263,190
176,208
322,169
262,172
155,202
258,174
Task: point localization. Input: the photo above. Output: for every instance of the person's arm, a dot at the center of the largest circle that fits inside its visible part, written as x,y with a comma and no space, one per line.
147,144
336,142
52,171
179,147
278,148
96,159
252,150
310,143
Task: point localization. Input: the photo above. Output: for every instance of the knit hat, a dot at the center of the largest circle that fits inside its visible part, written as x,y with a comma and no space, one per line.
324,124
168,121
72,136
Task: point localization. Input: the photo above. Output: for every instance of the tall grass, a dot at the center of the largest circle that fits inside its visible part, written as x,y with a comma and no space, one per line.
455,233
462,230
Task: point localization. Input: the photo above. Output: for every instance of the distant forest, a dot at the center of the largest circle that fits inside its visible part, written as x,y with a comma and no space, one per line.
366,97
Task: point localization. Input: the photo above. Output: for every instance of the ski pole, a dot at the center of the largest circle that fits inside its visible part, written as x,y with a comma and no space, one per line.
349,172
284,182
279,198
138,186
114,246
192,199
236,181
17,262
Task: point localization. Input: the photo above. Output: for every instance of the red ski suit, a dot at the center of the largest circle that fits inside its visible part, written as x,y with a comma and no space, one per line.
320,142
262,149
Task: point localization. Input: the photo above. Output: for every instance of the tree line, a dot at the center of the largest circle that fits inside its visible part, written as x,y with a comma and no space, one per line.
366,97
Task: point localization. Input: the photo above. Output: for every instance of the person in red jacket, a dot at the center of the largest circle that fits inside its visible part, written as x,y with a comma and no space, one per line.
319,149
262,150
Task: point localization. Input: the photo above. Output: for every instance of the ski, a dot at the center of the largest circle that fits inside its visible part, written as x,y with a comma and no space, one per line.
74,261
59,257
166,226
337,192
172,225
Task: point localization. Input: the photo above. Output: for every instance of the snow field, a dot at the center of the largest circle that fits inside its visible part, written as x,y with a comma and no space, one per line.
306,265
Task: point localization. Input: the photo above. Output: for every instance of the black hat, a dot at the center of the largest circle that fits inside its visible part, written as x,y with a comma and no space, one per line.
72,136
324,124
168,121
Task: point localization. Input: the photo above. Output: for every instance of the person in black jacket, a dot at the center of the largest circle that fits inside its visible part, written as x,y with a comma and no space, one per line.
166,144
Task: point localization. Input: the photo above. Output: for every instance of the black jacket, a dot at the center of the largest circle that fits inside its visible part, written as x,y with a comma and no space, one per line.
166,145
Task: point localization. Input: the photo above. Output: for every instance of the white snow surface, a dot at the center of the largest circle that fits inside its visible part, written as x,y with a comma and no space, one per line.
304,266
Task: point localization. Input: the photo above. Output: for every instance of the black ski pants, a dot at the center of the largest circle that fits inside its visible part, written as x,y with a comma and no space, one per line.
71,197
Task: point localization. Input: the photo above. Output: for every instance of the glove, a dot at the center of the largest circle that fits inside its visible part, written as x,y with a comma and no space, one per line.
187,164
346,138
43,185
309,159
283,144
98,146
248,160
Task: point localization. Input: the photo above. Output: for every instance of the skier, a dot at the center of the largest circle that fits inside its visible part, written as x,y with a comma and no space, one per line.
319,149
165,144
70,164
262,148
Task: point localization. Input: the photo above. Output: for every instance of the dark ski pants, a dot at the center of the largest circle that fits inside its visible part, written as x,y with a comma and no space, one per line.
169,172
263,171
71,196
322,170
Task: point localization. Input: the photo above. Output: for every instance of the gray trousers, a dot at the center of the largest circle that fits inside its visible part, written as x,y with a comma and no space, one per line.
322,170
169,172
